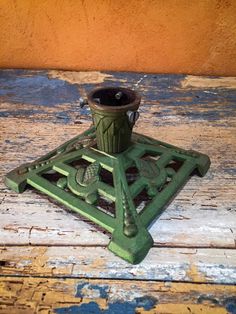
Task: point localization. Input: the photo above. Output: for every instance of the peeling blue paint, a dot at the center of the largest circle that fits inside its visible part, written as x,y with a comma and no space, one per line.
35,88
117,307
207,298
21,112
160,91
147,302
103,290
231,171
88,308
136,80
230,305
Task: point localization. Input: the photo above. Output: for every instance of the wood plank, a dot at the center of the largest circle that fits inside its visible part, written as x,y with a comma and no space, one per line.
54,295
31,218
161,264
202,215
168,99
194,237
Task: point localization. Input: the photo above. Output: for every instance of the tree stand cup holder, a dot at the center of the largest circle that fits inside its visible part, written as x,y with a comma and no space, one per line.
114,112
118,179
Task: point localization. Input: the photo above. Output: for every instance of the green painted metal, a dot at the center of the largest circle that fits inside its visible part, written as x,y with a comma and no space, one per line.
119,180
73,174
113,111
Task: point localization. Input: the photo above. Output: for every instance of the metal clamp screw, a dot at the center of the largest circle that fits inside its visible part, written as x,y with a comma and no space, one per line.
83,102
133,116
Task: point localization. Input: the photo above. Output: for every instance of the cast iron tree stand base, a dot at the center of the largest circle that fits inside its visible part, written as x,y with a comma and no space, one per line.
83,177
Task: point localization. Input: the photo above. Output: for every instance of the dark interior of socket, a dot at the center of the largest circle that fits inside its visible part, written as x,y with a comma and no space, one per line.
113,97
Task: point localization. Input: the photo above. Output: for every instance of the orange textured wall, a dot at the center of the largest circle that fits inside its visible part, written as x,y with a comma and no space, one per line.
165,36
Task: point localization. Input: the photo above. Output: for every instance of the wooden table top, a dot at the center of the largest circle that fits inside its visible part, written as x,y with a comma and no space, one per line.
53,261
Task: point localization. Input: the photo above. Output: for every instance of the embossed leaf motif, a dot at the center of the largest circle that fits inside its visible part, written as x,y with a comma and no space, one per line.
114,126
154,177
89,175
148,168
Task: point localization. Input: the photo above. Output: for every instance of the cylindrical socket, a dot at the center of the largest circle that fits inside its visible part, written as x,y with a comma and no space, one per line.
109,106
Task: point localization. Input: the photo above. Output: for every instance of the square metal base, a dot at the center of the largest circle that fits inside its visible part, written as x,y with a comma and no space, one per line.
123,193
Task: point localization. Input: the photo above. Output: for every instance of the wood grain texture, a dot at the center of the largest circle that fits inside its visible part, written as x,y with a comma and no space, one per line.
61,296
202,214
195,236
161,264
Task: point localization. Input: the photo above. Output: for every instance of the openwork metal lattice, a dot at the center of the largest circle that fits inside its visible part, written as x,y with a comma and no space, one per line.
123,193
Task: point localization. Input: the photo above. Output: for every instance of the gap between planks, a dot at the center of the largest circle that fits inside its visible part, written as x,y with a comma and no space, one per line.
110,280
156,245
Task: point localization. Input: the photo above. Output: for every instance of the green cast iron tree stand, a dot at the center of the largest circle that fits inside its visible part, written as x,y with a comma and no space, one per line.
79,187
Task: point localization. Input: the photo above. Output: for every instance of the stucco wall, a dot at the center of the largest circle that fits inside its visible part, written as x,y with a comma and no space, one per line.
165,36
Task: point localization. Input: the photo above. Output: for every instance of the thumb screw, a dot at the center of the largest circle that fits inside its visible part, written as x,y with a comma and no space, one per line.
82,102
133,116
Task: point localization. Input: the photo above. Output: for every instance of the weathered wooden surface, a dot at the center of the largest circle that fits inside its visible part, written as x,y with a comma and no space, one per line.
194,237
42,295
54,295
167,264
